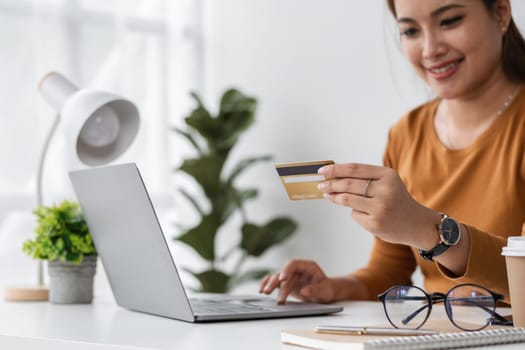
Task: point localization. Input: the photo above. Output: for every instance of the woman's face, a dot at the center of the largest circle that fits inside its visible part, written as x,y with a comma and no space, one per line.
454,45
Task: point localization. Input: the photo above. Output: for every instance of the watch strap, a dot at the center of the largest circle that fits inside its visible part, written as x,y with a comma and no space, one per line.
439,249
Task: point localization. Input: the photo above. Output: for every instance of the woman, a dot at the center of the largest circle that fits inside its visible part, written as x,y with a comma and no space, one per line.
453,185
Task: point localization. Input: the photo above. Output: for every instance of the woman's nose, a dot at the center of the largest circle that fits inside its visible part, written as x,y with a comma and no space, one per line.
433,46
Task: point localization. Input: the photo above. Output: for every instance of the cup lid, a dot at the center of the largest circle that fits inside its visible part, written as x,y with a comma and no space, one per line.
515,246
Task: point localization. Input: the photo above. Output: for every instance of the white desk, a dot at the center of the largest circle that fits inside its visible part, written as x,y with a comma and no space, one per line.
104,326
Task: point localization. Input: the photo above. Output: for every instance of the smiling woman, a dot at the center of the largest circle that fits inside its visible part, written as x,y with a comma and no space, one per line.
452,187
513,44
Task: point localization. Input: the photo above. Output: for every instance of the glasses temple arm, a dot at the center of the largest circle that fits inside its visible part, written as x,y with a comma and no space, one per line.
416,312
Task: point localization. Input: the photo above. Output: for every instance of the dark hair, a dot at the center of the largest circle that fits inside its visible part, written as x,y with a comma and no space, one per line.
513,52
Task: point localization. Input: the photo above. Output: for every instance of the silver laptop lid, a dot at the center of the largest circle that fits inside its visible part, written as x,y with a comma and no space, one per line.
130,242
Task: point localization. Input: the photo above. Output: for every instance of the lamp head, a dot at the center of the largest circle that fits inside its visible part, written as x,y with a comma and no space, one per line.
99,125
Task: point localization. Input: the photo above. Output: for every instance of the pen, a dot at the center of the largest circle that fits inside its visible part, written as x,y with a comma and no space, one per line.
372,330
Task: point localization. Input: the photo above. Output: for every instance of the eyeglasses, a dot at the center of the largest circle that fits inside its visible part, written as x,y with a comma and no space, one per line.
469,307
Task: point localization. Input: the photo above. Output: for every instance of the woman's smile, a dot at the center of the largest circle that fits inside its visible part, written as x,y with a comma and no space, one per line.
444,70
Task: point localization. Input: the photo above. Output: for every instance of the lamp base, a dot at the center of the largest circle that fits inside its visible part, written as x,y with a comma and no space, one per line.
27,293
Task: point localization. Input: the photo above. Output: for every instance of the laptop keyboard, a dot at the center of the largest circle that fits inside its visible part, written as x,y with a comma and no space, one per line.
201,306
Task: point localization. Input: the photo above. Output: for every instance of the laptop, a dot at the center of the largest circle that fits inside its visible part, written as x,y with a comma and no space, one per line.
141,270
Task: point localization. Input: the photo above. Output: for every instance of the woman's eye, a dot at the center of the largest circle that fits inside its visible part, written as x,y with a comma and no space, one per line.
451,21
409,32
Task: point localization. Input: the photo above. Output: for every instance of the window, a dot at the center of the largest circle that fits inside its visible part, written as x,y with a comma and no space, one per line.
148,51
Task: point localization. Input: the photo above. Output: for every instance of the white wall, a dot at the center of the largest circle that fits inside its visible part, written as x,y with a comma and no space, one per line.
330,81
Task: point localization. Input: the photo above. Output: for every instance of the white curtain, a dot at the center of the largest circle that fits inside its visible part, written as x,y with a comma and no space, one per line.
148,51
144,50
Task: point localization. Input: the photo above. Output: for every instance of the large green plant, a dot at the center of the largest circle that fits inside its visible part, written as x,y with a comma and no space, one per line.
61,234
213,138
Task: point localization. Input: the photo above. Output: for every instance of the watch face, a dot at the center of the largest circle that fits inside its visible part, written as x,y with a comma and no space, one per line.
449,231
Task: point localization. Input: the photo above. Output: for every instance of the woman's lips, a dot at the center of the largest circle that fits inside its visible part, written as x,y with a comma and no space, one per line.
444,70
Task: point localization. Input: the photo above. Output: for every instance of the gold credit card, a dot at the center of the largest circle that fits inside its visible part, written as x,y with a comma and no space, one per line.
300,179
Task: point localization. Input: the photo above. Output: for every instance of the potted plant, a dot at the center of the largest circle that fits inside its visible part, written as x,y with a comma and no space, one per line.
213,138
63,238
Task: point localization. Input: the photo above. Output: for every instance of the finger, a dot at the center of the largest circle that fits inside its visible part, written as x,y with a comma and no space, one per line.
286,288
303,267
360,187
353,170
353,201
263,283
273,282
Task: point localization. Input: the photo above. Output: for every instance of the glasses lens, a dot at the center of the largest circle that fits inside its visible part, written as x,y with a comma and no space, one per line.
470,307
407,307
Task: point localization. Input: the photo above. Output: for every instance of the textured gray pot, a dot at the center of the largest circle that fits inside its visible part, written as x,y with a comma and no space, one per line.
70,283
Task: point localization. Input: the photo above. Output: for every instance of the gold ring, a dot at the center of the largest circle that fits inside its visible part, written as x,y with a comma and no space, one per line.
366,188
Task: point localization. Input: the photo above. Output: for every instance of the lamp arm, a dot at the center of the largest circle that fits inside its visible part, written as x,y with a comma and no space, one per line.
41,162
39,177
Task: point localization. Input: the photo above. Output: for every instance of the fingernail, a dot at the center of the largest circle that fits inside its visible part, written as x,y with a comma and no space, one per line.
322,170
282,276
321,186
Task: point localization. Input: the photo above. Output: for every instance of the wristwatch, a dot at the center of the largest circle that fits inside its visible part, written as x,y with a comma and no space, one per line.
449,233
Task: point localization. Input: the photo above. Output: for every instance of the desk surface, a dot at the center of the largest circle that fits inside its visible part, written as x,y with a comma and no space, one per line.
103,324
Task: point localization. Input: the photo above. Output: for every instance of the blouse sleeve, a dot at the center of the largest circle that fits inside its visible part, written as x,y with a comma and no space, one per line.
389,263
481,268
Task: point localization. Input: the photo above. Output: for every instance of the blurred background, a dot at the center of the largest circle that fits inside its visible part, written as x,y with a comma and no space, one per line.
328,76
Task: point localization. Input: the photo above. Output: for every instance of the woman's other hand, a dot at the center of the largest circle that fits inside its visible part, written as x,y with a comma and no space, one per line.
306,281
302,279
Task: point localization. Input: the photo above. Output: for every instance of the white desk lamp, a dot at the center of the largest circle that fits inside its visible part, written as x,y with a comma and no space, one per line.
99,127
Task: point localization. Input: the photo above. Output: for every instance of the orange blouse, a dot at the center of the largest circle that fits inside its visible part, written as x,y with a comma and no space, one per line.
481,186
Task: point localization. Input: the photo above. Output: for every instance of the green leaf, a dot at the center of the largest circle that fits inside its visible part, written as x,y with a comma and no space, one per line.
236,114
202,237
224,203
206,171
213,281
244,195
61,233
245,163
247,276
257,239
201,120
229,199
196,97
192,200
190,138
233,101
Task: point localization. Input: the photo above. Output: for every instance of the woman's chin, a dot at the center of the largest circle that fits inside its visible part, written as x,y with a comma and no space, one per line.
448,93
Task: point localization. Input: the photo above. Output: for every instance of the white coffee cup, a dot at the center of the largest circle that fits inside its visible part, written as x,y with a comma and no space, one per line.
514,254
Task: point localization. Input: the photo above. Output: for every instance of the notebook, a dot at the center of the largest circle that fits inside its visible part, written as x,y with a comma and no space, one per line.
454,340
140,268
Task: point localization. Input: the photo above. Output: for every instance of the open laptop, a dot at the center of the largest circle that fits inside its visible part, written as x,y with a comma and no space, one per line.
138,262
